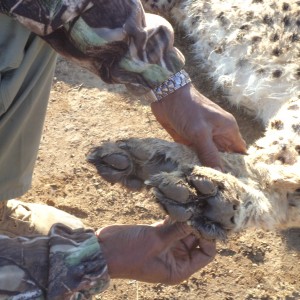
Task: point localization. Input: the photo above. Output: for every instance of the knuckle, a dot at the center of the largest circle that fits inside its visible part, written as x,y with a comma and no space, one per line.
232,121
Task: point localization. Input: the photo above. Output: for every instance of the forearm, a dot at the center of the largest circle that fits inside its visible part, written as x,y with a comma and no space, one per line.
116,40
65,264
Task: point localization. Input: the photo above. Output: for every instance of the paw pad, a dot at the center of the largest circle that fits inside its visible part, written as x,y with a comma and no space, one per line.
114,165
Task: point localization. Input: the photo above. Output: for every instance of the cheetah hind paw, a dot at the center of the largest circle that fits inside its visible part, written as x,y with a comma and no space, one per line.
131,161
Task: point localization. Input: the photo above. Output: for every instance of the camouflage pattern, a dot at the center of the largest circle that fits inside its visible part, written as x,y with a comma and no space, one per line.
114,39
66,264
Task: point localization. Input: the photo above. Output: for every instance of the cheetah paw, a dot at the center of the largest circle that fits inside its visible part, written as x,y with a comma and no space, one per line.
206,199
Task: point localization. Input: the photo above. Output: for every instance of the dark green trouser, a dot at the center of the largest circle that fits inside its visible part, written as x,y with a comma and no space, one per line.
26,70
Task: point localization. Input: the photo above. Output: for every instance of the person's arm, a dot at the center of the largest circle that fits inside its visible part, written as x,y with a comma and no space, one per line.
161,253
77,264
192,119
121,44
115,40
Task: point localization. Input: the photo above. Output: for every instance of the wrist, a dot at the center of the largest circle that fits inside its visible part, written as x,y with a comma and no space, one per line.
108,254
119,264
174,100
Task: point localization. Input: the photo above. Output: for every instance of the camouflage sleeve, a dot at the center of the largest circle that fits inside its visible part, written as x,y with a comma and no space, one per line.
114,39
66,264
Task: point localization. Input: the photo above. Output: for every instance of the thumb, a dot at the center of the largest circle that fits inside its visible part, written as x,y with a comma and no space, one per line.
239,146
203,255
208,154
173,232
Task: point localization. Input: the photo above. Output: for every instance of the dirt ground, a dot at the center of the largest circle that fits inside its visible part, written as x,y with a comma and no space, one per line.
82,113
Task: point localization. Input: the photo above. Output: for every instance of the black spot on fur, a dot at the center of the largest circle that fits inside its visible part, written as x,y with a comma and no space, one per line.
268,20
276,51
256,39
285,6
223,20
245,27
294,37
298,73
283,147
275,37
286,21
281,158
277,73
296,128
297,148
250,15
277,124
257,1
219,49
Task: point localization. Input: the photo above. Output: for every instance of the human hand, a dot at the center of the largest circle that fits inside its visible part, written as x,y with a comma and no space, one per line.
193,120
162,253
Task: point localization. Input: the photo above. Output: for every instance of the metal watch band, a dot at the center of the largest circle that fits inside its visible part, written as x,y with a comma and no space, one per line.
172,84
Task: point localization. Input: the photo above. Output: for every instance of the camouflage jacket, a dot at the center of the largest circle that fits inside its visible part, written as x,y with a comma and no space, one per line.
64,265
114,39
